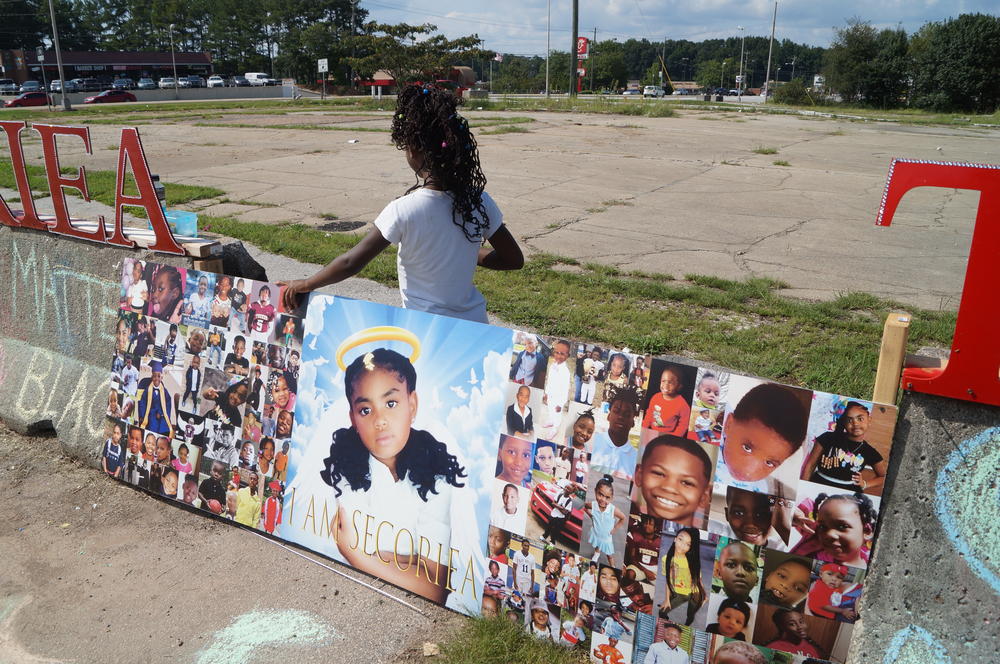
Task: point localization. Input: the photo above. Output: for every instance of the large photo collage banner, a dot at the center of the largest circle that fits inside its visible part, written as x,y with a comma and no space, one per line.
644,510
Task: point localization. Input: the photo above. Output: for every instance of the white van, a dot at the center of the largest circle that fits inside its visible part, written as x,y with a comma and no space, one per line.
256,77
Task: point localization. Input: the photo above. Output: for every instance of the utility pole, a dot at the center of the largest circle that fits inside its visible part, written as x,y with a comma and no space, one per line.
767,75
573,63
739,87
59,65
548,45
593,60
173,60
354,3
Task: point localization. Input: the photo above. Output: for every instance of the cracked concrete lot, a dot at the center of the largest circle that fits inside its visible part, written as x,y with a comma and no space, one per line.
679,195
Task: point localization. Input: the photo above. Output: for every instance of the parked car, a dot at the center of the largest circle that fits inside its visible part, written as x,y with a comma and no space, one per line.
194,81
109,96
8,86
240,82
29,99
544,497
167,82
122,84
31,86
146,84
632,91
88,84
56,86
256,78
653,91
216,81
733,92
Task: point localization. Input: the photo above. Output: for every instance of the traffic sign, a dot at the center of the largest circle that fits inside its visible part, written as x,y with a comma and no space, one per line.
322,65
581,72
40,53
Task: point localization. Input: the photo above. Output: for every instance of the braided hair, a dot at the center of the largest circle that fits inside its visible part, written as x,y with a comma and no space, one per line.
866,508
427,121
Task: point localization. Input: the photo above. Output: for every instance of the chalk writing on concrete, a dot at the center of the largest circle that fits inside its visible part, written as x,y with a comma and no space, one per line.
240,641
45,292
61,390
968,504
915,645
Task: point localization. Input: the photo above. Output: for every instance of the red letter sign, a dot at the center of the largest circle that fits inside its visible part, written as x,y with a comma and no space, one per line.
30,218
972,371
130,152
57,181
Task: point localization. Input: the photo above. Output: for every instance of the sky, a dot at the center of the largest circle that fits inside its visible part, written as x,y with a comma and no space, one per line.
518,26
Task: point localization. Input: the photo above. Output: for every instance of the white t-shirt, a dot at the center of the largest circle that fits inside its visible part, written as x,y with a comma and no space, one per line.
524,563
435,262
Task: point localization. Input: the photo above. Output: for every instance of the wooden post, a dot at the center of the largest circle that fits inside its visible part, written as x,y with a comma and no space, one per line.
215,265
891,356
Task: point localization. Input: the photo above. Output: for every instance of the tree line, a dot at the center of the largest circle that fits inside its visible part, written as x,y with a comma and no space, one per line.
950,65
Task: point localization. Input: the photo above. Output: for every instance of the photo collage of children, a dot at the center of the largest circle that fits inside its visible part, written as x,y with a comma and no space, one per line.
201,407
650,511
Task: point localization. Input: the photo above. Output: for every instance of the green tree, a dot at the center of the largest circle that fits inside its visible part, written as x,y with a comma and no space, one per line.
956,64
712,74
848,60
793,92
22,26
411,52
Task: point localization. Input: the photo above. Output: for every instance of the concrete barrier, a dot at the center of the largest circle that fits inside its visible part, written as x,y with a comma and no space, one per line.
194,94
932,594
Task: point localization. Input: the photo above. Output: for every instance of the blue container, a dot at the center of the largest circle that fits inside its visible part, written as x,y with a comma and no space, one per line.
182,222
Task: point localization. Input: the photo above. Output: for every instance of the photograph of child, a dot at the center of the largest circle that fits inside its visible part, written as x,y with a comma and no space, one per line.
605,520
737,570
834,592
666,647
614,445
199,290
543,469
848,443
509,507
588,373
727,651
668,410
556,393
764,429
413,415
529,360
261,313
786,579
166,293
834,526
685,575
755,518
514,460
793,632
609,650
135,290
673,480
731,618
642,549
524,403
525,560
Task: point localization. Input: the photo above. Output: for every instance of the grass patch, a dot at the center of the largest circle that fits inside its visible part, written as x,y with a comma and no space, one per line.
780,162
596,210
745,325
726,162
500,641
505,129
101,185
329,216
763,149
616,201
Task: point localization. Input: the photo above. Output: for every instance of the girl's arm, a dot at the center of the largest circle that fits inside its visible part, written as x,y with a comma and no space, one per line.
876,482
503,252
807,470
619,519
343,266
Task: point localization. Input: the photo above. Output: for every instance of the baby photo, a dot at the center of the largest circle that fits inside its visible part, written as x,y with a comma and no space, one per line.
705,425
731,618
848,443
834,526
667,407
673,480
762,436
755,518
835,591
523,403
711,390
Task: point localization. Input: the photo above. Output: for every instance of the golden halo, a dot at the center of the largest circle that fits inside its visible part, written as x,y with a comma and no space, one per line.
378,333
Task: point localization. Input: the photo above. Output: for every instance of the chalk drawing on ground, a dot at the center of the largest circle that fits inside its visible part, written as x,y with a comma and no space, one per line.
239,642
968,503
915,645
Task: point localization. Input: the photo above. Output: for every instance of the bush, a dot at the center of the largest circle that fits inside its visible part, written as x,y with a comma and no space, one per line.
793,92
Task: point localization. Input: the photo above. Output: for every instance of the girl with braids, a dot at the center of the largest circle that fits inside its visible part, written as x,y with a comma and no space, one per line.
384,471
837,528
682,572
439,224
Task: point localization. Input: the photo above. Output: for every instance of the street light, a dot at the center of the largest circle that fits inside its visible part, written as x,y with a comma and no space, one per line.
174,61
548,46
722,76
739,88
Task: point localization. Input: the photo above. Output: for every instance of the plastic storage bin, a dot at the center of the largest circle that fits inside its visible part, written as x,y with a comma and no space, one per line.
182,222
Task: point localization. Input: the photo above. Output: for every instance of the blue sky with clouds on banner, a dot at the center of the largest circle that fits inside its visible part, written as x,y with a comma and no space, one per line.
518,26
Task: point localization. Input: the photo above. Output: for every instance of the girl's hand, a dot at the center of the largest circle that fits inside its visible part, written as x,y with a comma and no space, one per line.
859,481
210,393
802,523
292,289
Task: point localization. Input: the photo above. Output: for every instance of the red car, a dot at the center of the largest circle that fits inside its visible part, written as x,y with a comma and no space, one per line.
542,500
29,99
109,96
